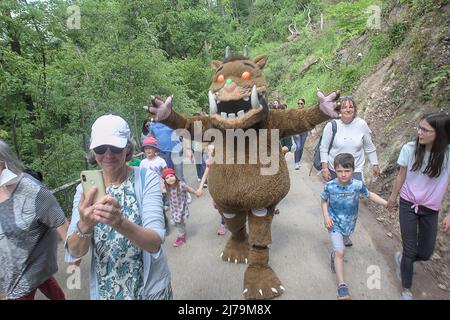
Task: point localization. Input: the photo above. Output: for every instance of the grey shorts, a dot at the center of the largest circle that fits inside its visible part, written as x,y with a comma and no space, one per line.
337,241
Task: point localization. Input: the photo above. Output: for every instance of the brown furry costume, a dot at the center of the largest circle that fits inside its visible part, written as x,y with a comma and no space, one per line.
238,101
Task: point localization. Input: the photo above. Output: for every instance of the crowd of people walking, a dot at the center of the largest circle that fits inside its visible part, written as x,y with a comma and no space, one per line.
125,230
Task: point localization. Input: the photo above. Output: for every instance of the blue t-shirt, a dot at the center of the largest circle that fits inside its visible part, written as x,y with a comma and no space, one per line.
343,203
166,137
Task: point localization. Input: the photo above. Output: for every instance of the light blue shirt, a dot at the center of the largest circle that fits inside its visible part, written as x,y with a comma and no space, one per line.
168,141
343,203
149,198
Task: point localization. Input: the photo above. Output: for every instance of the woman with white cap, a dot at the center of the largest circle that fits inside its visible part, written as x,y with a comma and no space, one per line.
125,229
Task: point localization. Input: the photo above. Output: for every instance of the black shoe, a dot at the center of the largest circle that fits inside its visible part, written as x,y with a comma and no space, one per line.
348,242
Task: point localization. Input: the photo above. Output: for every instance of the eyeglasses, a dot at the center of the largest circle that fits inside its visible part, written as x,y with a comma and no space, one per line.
346,97
102,149
424,130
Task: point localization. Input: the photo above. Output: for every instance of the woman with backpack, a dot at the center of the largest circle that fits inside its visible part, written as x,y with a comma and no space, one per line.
353,136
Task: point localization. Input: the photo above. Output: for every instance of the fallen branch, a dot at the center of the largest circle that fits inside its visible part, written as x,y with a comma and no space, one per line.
305,69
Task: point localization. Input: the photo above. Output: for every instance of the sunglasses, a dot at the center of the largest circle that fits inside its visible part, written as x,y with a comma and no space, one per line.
346,97
102,149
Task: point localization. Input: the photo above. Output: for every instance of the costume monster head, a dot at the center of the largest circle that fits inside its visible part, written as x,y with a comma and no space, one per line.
238,93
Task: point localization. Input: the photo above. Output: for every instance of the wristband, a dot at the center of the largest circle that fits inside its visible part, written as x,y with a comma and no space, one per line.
81,234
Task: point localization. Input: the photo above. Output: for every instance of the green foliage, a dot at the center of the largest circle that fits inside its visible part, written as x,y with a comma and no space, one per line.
437,78
349,17
422,6
397,33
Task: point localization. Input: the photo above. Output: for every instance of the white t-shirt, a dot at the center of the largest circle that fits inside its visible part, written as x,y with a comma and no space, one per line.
157,164
354,138
419,188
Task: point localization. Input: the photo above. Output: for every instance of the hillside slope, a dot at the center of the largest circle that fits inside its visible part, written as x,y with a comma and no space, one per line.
393,87
411,81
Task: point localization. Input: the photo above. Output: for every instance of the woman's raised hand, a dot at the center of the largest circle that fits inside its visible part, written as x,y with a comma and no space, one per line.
86,208
108,211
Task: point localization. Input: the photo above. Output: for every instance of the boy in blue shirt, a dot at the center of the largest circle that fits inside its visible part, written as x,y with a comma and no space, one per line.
340,201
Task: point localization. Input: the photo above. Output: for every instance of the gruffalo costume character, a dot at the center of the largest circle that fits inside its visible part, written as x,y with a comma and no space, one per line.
247,190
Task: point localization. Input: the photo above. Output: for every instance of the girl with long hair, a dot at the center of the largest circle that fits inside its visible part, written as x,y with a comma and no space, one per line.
422,183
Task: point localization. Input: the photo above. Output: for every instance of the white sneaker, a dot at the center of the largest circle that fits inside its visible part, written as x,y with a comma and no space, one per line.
406,295
297,166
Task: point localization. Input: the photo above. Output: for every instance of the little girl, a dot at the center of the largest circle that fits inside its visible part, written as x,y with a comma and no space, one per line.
177,198
152,160
422,183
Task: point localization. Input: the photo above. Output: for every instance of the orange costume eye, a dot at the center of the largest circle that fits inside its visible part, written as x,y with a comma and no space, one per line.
246,75
220,78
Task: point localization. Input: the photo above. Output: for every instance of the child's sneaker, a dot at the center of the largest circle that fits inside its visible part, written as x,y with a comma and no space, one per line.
398,261
347,241
343,292
179,241
333,254
222,230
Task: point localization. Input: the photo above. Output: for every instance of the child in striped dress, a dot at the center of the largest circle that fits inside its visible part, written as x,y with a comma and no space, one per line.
177,198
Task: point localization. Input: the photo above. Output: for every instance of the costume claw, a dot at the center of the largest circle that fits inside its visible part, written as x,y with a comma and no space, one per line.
282,288
245,291
246,261
228,260
221,255
274,290
260,292
235,261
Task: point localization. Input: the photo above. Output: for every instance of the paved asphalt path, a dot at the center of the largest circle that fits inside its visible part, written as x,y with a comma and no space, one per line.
299,254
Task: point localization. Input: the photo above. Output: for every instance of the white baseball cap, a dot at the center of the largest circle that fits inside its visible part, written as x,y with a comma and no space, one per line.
110,130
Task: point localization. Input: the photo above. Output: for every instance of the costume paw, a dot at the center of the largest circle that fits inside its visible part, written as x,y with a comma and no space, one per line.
160,109
327,104
261,282
236,251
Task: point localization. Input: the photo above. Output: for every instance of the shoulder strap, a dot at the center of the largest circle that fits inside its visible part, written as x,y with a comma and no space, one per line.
334,128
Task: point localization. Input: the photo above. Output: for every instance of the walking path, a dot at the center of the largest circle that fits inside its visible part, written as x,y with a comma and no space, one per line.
299,254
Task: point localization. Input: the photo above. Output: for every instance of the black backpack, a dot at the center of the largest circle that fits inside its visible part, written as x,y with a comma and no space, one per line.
316,159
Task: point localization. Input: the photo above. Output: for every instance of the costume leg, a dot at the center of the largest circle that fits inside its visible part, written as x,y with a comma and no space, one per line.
260,281
236,249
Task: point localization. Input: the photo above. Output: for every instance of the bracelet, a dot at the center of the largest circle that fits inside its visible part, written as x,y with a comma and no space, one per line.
81,234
